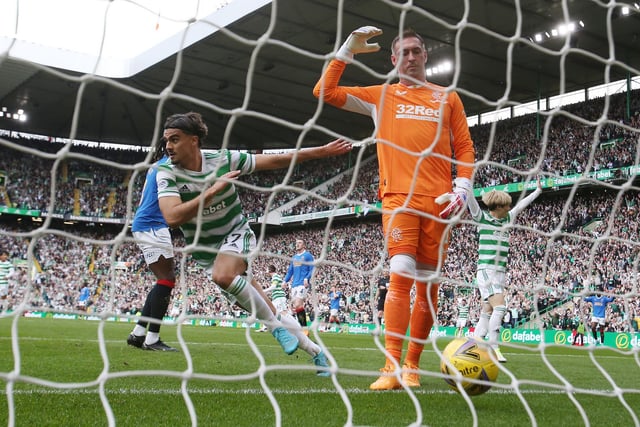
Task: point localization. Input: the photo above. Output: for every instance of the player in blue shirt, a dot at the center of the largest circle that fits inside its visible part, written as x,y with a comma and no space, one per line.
298,277
598,315
334,307
83,298
153,237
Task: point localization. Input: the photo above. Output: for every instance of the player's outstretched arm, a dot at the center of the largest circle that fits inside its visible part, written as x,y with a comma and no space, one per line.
522,204
327,87
337,147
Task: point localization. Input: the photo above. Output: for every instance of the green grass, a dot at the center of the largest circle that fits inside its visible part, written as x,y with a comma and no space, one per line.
61,378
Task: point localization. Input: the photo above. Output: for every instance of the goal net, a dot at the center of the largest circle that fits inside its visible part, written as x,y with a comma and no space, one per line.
74,281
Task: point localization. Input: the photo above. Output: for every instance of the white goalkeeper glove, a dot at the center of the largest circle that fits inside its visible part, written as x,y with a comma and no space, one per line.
357,43
455,199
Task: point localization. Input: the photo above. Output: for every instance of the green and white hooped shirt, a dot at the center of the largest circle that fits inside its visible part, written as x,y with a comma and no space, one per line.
220,217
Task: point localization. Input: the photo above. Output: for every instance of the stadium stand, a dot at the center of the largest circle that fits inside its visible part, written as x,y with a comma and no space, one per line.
547,269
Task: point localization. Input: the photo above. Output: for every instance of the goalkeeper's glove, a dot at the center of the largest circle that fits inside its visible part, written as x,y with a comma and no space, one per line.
357,43
455,199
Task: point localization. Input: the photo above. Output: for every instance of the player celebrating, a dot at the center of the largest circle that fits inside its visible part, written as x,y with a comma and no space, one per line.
463,317
420,128
598,315
153,237
299,276
493,250
196,193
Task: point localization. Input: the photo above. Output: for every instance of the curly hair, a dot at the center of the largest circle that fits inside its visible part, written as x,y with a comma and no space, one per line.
190,123
159,150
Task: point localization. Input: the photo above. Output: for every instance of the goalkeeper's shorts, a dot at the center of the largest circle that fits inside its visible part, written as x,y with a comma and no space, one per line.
411,232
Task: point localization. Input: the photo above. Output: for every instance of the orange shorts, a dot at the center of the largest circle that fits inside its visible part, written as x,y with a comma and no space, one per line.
409,231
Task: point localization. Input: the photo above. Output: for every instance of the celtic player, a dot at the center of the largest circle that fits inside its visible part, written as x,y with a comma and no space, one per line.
463,317
494,229
7,271
197,194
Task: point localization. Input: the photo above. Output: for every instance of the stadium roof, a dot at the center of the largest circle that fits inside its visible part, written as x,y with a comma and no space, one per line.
223,72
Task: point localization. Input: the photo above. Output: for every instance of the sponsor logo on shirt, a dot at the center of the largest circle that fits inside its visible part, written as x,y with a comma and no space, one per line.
214,208
417,112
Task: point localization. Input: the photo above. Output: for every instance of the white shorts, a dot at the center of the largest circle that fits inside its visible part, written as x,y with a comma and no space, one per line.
154,243
490,282
4,291
244,234
462,323
281,305
334,312
299,292
601,321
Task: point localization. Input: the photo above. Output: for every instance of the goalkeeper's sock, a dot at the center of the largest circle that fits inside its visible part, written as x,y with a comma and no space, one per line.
495,322
483,326
252,301
397,312
304,342
424,308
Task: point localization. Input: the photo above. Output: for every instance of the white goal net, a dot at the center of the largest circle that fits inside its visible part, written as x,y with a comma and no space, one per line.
551,90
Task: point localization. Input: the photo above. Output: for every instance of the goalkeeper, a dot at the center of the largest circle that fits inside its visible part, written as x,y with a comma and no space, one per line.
420,127
493,249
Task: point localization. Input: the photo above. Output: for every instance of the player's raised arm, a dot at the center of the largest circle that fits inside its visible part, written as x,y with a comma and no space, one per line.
327,87
278,161
358,42
522,204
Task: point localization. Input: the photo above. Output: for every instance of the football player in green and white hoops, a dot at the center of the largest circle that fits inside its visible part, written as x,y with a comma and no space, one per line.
494,229
197,194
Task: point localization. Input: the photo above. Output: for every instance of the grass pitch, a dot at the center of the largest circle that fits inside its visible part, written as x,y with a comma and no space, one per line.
82,373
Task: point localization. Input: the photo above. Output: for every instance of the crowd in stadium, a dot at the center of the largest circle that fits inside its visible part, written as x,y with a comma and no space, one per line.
515,148
564,244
